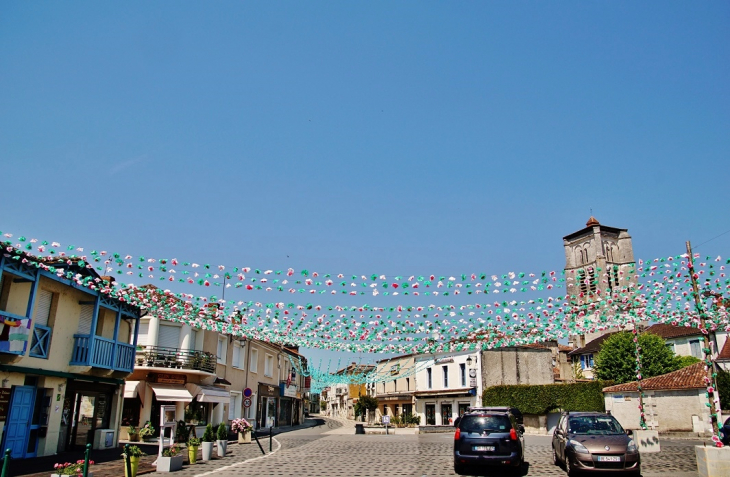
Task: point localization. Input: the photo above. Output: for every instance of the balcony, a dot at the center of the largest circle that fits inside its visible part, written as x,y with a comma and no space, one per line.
176,358
105,353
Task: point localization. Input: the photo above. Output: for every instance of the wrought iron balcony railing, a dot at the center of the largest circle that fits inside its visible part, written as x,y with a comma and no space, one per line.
163,357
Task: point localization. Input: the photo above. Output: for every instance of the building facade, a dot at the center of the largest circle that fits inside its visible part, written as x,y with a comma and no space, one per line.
396,388
64,353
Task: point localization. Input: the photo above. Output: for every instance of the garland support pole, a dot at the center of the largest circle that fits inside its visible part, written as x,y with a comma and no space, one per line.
710,368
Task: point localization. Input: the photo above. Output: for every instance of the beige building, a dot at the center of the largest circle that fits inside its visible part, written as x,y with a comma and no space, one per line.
396,386
210,378
64,353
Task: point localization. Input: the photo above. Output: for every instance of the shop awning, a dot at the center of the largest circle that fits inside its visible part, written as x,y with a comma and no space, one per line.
170,392
132,388
209,393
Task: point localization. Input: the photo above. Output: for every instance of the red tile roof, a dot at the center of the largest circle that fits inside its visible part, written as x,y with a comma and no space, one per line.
592,346
725,351
669,331
691,377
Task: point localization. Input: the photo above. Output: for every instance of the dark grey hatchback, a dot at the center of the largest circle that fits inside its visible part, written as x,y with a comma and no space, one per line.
488,439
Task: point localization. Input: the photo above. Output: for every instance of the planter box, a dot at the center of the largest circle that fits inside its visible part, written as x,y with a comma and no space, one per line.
713,461
169,464
647,441
90,474
222,447
244,437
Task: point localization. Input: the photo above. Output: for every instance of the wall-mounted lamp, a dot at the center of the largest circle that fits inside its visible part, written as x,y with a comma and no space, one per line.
60,387
5,382
469,361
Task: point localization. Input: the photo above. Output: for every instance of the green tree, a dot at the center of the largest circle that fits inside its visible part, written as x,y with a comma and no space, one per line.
617,359
684,361
365,403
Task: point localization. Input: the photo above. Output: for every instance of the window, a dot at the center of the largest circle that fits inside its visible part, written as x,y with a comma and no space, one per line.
222,349
446,376
587,281
85,317
429,381
253,363
695,348
408,384
169,336
234,408
586,361
41,338
269,366
239,354
462,370
395,387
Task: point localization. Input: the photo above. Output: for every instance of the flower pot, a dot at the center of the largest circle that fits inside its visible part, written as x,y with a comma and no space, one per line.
134,463
222,447
134,437
193,454
207,450
244,437
90,474
169,464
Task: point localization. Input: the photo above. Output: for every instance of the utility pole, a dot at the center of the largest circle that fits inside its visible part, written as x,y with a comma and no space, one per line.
709,365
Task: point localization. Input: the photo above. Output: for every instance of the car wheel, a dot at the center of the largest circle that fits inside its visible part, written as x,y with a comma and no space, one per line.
459,469
568,469
556,461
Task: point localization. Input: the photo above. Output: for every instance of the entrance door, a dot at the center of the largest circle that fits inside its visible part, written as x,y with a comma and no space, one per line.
462,408
446,415
430,414
270,412
18,423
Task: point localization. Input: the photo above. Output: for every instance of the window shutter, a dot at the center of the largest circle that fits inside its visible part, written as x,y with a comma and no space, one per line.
85,318
43,307
193,338
144,329
169,336
236,355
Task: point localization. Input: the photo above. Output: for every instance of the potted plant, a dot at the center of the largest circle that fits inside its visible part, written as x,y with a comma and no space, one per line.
69,468
171,459
147,430
243,428
133,454
207,444
222,441
133,433
193,444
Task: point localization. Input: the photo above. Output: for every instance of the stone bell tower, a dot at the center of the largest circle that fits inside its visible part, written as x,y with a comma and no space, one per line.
599,261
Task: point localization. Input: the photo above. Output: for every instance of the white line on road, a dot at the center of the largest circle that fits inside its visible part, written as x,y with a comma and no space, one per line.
211,472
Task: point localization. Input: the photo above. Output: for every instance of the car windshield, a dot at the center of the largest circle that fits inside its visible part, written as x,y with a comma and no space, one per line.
479,424
601,425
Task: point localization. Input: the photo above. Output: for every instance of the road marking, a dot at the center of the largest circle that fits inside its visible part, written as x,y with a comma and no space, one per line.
211,472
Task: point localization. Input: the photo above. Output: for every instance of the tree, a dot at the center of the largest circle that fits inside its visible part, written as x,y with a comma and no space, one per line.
365,403
684,361
617,359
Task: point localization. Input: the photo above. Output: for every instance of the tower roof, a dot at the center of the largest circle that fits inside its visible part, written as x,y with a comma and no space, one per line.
592,221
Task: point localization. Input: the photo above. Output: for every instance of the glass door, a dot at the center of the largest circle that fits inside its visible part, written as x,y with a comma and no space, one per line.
430,414
446,415
82,423
270,412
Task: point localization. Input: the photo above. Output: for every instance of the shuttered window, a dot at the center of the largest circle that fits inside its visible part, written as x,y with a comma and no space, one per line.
43,307
169,336
85,317
144,329
236,355
193,338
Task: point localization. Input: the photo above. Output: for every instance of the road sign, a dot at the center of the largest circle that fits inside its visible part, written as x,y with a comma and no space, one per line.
386,419
247,402
247,392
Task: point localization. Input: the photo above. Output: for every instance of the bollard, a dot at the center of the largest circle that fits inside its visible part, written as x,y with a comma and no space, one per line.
127,461
271,437
6,464
86,460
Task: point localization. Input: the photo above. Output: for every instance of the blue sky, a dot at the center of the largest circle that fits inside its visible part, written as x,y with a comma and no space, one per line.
392,138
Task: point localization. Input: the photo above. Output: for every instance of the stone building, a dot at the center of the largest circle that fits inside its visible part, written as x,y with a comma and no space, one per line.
396,386
531,364
598,260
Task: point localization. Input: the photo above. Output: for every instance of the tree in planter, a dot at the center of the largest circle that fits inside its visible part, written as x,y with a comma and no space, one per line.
222,435
365,403
181,432
208,438
617,359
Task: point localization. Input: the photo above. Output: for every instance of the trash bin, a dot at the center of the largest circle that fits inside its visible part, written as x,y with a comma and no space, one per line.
359,428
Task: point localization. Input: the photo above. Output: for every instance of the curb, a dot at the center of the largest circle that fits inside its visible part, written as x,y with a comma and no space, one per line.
226,467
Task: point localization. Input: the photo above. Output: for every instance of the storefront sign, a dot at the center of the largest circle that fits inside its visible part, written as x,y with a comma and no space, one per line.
289,391
444,360
4,403
267,390
168,378
395,369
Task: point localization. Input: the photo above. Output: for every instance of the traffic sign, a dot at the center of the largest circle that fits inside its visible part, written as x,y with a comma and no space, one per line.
247,392
247,402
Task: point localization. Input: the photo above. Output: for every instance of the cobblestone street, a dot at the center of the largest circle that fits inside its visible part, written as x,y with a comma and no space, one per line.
334,450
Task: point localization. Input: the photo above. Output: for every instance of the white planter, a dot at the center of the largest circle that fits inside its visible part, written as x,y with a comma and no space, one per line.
222,447
647,441
207,448
244,437
90,474
713,461
169,464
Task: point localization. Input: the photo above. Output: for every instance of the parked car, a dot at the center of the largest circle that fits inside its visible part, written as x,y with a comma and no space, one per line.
725,432
594,442
515,412
487,439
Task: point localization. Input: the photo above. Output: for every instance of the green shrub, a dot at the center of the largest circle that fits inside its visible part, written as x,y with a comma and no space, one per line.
181,432
222,432
723,387
541,399
208,434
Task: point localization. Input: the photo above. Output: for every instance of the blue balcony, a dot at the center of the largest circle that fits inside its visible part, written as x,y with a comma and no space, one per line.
105,353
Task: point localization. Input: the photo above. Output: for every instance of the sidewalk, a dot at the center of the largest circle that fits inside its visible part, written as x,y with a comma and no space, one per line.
109,463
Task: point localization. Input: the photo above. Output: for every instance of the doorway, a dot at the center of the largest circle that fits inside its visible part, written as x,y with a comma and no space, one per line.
90,412
270,412
446,415
16,435
430,414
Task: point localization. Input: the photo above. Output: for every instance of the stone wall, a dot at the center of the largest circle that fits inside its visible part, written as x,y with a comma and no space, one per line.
517,366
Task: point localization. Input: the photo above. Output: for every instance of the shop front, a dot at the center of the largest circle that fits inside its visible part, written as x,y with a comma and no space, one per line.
87,408
268,405
443,408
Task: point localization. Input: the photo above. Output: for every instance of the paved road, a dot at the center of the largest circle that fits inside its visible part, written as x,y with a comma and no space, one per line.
325,451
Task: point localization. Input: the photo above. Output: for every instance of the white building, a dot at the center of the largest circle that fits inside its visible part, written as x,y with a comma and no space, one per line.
446,385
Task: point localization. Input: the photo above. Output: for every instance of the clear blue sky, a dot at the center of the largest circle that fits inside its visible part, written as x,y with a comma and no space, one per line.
365,137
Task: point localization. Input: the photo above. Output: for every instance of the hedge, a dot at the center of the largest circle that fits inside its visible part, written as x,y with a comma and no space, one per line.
541,399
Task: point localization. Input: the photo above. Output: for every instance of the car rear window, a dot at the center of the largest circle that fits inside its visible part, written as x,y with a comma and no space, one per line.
602,424
489,423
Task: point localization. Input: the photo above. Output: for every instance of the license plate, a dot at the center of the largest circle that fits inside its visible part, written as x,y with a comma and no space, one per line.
609,458
483,448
